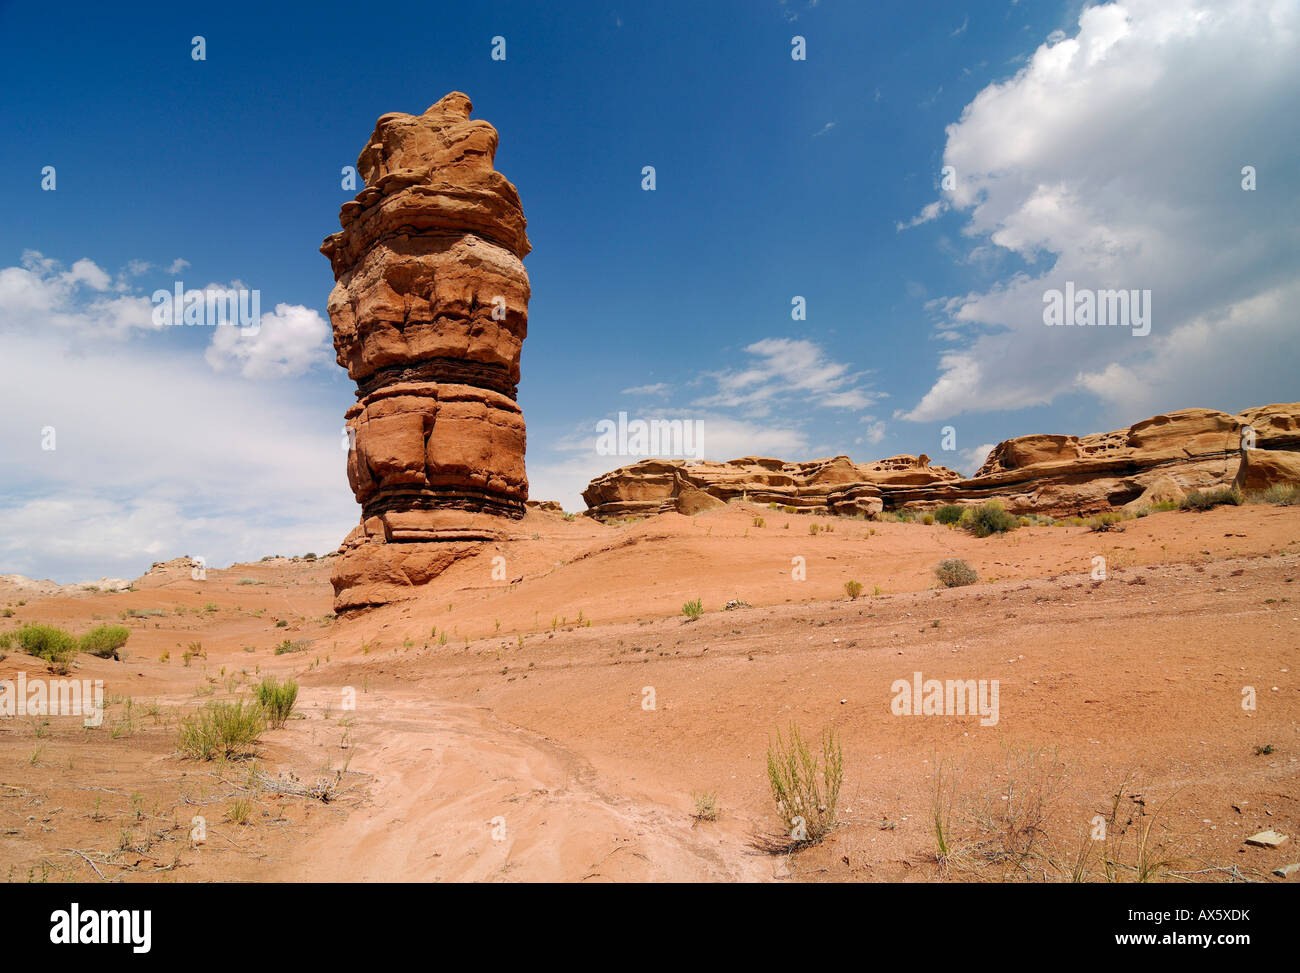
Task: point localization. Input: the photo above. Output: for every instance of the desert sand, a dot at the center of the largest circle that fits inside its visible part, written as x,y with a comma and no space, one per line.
501,730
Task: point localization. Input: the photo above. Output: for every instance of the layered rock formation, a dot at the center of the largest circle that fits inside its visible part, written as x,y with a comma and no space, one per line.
429,313
1195,449
1057,476
549,506
825,486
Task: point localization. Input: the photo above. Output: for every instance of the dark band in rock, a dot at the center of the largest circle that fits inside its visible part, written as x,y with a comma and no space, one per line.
442,371
444,498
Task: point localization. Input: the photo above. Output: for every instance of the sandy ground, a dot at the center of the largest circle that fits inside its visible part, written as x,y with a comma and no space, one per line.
552,715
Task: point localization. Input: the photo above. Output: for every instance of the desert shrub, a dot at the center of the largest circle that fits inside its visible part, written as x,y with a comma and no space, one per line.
54,645
693,609
943,796
988,518
222,730
805,787
706,806
1206,499
949,513
1138,847
760,522
286,647
1014,811
239,811
927,519
1104,522
105,641
1281,494
277,699
955,573
853,589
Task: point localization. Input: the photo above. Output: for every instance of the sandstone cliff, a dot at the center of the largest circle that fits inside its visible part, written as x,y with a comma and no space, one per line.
1047,474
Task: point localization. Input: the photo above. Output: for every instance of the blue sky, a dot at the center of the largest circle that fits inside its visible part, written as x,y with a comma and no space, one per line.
1098,144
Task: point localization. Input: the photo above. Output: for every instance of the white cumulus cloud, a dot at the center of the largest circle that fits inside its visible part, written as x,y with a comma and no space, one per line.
1114,159
288,342
154,453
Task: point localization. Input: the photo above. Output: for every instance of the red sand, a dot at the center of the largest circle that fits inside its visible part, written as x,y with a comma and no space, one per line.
494,760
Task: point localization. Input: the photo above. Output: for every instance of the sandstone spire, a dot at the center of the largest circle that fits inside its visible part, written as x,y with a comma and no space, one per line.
429,312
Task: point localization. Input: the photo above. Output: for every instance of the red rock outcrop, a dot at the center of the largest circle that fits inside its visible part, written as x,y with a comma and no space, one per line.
823,486
1058,476
1263,468
429,312
547,506
1157,458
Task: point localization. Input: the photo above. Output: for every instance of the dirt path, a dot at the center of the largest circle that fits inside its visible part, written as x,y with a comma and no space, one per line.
459,796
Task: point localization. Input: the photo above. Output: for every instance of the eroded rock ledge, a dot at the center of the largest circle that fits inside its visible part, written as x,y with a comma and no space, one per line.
1047,474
